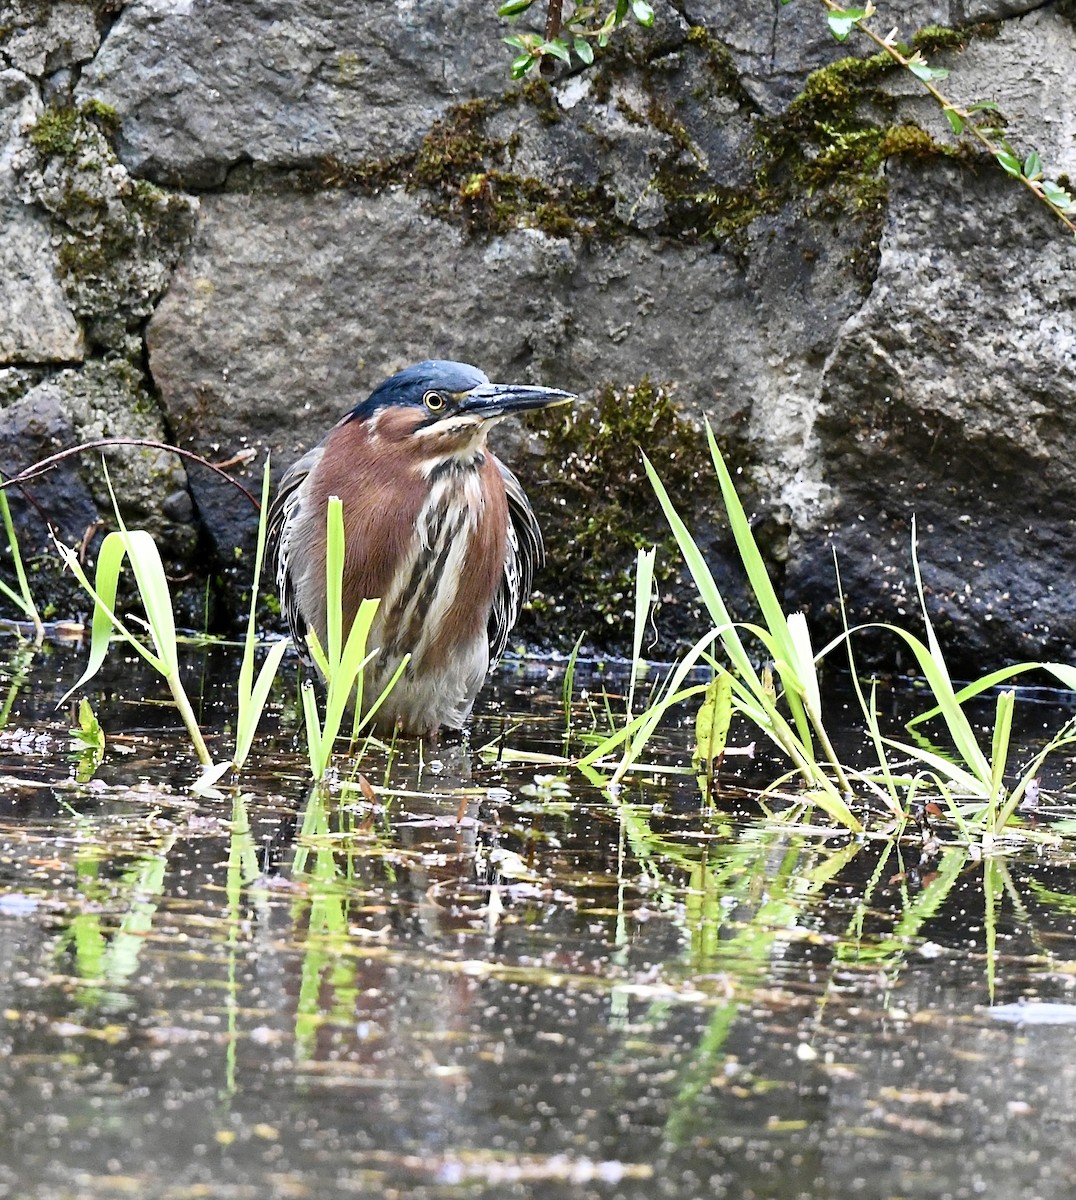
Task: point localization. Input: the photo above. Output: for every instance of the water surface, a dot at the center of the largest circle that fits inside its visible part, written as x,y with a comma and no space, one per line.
465,976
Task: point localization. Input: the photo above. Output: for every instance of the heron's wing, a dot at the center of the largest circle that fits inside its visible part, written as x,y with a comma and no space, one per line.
283,518
524,554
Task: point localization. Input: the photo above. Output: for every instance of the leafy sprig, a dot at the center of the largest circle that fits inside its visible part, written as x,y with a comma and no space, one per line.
587,26
963,120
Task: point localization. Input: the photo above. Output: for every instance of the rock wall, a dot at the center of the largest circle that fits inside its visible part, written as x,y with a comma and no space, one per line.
226,220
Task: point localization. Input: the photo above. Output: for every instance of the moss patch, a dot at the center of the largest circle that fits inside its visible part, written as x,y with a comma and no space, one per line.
829,146
597,509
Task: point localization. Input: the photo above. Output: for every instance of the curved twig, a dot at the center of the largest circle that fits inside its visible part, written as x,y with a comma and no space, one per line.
47,464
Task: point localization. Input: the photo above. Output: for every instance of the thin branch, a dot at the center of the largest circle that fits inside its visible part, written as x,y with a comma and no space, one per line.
552,31
47,464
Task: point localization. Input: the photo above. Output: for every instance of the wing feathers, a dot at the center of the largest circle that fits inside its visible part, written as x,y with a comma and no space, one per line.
524,554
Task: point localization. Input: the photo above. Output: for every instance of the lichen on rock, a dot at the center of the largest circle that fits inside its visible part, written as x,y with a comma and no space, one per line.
118,238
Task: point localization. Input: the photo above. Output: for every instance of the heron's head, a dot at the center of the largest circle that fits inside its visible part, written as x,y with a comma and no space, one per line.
448,407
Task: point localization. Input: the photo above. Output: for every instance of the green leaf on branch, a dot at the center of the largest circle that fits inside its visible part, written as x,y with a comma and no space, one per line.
983,106
956,121
1009,162
1056,194
521,65
644,14
512,8
584,50
917,64
558,47
842,20
1033,166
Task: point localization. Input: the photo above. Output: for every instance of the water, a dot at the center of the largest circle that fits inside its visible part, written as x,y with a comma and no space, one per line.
458,978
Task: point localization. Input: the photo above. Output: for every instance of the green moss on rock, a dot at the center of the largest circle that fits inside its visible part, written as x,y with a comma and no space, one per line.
597,508
829,146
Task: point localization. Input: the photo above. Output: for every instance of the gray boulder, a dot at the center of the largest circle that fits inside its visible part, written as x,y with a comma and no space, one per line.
774,230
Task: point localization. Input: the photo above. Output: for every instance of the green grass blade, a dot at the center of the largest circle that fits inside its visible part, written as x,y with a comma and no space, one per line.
647,719
1066,736
568,688
956,721
1063,672
372,710
22,599
999,752
104,620
156,597
315,744
252,694
334,578
969,784
253,702
644,590
759,578
704,580
317,653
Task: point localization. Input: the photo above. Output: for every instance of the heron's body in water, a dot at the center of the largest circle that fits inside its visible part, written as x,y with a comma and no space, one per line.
435,526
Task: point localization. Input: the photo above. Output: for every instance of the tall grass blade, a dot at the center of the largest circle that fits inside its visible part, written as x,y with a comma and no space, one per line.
341,662
22,599
644,590
568,688
999,751
1062,672
253,692
932,664
704,581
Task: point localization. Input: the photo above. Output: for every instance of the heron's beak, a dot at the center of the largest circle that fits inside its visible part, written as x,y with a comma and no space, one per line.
490,400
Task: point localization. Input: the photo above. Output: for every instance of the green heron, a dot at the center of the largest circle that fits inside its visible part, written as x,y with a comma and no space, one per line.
434,525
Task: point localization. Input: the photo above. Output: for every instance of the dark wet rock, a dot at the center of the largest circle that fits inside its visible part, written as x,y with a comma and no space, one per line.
64,409
948,399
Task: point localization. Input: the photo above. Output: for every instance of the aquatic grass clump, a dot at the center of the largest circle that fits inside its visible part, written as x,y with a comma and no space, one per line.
787,642
970,782
137,547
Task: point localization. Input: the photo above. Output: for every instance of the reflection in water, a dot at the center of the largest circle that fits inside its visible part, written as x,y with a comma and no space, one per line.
449,977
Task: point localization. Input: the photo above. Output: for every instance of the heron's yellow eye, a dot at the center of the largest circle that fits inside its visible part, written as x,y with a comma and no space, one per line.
434,401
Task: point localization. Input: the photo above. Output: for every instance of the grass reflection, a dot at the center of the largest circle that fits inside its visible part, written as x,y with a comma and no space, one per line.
106,950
